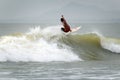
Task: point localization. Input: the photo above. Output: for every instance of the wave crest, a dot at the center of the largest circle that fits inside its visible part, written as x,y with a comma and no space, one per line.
51,44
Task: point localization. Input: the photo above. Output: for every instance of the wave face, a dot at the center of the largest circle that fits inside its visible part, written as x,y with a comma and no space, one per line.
51,44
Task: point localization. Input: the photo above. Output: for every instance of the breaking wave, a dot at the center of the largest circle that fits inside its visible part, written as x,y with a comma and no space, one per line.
51,44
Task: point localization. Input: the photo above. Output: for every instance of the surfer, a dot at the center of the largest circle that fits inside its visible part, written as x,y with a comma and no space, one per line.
65,24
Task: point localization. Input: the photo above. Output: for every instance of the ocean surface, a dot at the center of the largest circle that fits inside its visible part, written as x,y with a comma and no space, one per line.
44,52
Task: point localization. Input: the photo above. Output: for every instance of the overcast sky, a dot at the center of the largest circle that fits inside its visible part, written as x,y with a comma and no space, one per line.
38,11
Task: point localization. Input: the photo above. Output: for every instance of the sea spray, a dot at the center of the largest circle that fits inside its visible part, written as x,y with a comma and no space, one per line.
33,46
51,44
111,44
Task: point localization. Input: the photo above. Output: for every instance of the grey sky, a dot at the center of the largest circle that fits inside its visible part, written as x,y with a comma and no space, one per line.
37,11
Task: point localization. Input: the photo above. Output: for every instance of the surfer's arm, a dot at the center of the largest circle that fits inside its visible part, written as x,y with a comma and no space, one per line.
62,16
63,19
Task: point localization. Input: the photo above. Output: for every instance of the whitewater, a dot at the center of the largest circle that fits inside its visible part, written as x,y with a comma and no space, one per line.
51,44
47,53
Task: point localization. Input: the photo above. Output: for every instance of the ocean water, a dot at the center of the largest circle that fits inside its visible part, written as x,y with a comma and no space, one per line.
44,52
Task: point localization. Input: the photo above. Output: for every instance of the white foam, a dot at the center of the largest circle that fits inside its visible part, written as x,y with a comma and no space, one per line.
110,44
13,48
52,31
35,30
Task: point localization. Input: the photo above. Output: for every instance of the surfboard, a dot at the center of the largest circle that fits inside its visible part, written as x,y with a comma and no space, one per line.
75,29
72,30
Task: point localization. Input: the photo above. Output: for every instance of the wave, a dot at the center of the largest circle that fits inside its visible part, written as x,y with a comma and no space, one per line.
111,44
51,44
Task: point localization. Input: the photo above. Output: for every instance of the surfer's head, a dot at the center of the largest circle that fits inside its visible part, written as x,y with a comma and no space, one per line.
62,19
62,29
